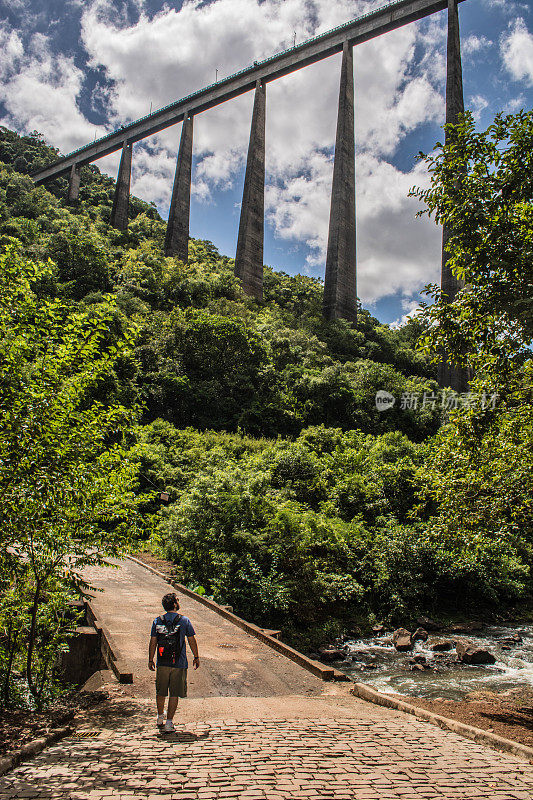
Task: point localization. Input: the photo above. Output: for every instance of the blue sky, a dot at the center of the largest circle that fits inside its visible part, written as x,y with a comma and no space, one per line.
73,69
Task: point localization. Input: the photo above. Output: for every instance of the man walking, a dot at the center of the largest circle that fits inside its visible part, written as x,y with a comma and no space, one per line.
168,639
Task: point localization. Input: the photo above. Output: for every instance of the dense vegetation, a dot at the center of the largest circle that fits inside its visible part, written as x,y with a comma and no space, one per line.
65,479
292,496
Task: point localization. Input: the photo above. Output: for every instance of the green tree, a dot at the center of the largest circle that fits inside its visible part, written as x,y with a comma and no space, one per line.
207,367
478,471
66,482
476,495
482,190
81,260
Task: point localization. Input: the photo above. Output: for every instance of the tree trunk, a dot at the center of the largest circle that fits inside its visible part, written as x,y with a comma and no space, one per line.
31,641
9,667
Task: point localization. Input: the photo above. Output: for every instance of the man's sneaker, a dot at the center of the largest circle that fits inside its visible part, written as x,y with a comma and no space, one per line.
169,726
160,720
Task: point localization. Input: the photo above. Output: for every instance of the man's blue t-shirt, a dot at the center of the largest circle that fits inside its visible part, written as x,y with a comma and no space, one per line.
185,629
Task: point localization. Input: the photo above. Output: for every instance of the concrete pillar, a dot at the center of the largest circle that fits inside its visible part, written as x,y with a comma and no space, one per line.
340,286
454,108
121,200
448,375
249,256
74,184
84,655
177,235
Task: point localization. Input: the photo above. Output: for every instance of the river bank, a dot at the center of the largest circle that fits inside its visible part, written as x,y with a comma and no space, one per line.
508,714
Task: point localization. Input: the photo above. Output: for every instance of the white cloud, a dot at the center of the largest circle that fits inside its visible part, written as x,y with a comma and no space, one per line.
298,207
517,52
152,173
397,251
11,51
14,5
477,105
473,45
515,104
39,91
508,7
390,102
412,309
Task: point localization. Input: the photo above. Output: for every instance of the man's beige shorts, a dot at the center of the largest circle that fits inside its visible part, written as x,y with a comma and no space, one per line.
171,681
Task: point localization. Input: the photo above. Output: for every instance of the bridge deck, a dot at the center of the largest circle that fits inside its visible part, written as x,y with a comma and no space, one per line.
390,17
233,662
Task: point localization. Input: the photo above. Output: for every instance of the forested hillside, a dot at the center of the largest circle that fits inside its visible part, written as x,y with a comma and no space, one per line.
290,495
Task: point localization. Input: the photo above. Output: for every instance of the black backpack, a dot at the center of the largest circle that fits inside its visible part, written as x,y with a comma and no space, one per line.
168,641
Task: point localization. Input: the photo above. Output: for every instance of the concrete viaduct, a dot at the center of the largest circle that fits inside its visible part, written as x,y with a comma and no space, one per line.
340,286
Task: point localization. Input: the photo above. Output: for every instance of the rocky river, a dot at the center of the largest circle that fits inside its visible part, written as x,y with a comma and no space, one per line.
422,671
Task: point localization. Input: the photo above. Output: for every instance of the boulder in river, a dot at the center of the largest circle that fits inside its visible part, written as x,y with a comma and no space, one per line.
419,659
428,624
328,654
469,653
420,635
508,642
467,627
378,629
401,640
440,645
345,664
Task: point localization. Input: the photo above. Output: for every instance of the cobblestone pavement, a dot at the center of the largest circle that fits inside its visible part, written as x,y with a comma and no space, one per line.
385,758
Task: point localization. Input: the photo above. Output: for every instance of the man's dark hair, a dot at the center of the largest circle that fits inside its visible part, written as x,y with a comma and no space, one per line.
169,601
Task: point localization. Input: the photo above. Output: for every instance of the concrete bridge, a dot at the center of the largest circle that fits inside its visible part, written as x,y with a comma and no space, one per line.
340,286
